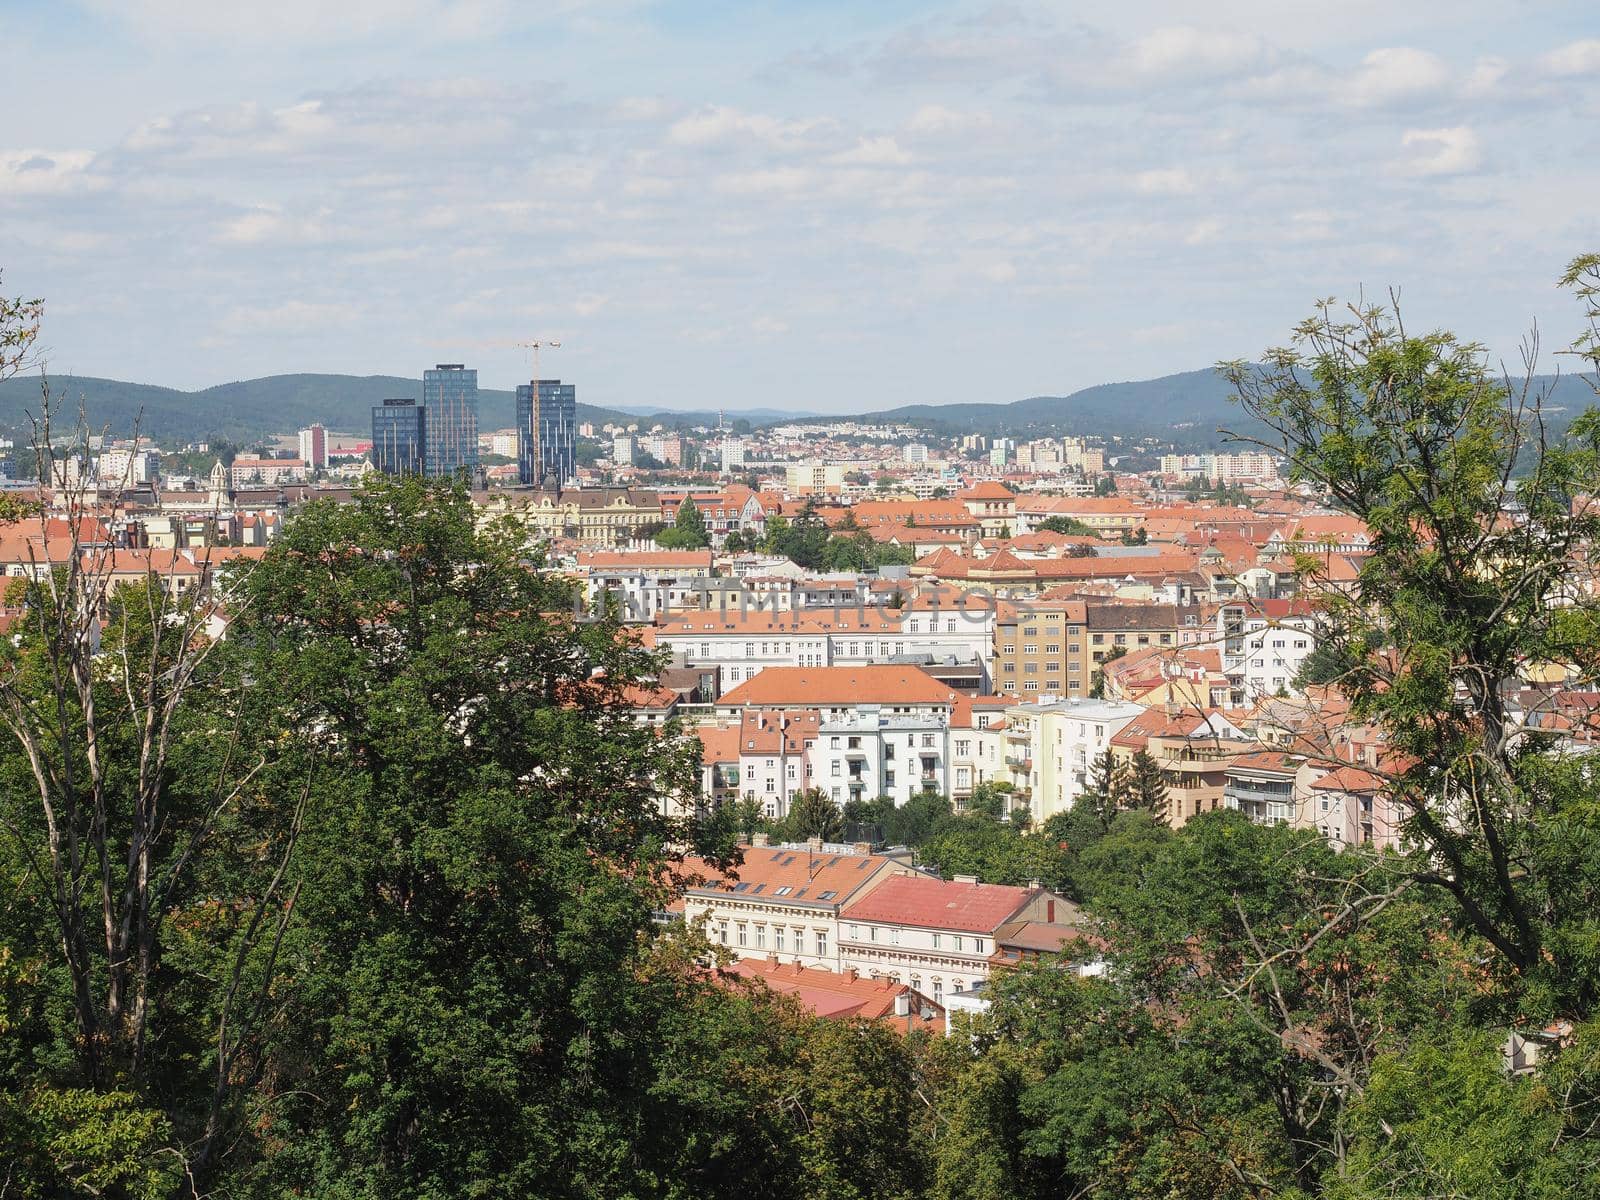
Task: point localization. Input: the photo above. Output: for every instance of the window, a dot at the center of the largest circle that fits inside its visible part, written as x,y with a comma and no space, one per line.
958,940
872,933
977,945
741,933
722,932
855,932
761,937
955,985
822,943
837,768
938,990
1030,648
936,941
963,748
1053,648
833,743
777,938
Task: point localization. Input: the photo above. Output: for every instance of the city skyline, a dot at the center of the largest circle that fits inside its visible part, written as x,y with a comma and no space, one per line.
812,208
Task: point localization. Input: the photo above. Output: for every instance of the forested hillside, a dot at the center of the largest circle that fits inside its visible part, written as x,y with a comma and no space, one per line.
242,411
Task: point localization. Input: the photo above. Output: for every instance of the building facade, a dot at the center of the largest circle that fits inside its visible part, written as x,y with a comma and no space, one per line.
450,419
547,433
314,448
398,428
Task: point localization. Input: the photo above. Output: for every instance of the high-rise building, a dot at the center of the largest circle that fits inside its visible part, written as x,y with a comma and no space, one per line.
397,437
449,419
547,432
314,448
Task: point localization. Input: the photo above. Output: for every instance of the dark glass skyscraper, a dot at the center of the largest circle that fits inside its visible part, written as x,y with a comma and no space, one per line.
449,419
397,437
547,439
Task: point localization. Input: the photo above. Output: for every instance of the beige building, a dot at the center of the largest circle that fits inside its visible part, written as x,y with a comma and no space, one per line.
1040,649
597,516
784,900
934,935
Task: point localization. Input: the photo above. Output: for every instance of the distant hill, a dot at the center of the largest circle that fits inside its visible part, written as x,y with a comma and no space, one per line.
245,410
1187,407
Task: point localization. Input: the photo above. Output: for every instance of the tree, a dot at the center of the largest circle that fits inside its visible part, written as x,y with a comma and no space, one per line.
1106,485
688,531
1144,785
1413,435
1106,789
1136,537
475,998
1067,525
20,321
813,815
1097,681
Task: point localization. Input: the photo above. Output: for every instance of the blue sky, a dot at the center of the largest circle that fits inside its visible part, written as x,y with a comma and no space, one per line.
823,206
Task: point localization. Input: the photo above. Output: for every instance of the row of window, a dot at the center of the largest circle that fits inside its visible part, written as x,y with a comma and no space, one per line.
954,942
780,937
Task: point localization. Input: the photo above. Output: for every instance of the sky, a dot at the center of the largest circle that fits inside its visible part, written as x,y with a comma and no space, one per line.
821,206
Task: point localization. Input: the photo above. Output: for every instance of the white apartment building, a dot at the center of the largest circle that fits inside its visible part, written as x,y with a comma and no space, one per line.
645,583
121,465
1264,645
1052,748
869,752
978,744
742,645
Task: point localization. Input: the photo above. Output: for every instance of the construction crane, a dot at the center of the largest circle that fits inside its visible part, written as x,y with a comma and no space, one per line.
536,464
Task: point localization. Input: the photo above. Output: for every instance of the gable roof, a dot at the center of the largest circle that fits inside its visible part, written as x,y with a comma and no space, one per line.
812,877
937,904
833,687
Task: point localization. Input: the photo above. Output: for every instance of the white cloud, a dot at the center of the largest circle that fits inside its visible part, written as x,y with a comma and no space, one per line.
45,172
1394,75
1182,51
935,120
719,123
874,152
305,20
290,318
263,226
1575,58
773,180
1453,151
1165,181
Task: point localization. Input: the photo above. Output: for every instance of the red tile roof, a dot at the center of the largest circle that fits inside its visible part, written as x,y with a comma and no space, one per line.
936,904
812,877
836,995
823,687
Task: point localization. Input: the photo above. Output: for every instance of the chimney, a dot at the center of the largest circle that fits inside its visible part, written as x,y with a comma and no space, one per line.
851,975
758,839
965,879
1035,884
861,847
902,1004
814,844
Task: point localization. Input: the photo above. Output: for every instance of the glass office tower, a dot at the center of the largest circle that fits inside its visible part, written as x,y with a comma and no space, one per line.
547,434
449,419
397,429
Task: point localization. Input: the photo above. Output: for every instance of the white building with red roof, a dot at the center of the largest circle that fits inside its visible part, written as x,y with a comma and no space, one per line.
938,936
